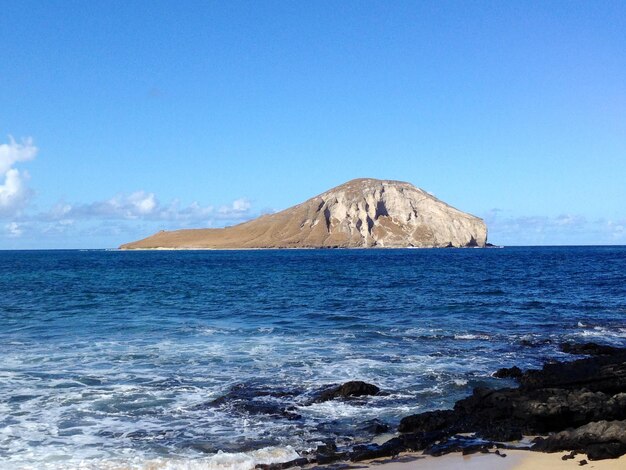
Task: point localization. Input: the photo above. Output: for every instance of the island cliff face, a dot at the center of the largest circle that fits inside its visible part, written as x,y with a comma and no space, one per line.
361,213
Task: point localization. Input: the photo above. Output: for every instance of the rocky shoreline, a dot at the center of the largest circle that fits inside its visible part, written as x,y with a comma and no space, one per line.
577,406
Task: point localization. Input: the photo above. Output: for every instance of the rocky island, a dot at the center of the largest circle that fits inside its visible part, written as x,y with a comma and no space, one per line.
362,213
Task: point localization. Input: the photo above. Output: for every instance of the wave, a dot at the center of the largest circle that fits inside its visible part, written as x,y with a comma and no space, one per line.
471,336
219,461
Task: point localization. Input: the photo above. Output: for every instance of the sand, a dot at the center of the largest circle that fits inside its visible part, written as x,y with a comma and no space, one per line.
514,460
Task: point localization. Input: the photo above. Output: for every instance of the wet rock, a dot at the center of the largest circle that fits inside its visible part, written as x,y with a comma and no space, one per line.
417,441
325,459
301,462
354,388
428,421
589,349
463,444
253,399
536,411
508,373
327,453
374,426
328,447
599,440
390,448
407,442
261,408
250,391
569,456
535,343
505,414
606,450
502,433
551,400
604,373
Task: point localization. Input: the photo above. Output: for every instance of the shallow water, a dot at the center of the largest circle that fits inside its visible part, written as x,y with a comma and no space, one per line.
109,359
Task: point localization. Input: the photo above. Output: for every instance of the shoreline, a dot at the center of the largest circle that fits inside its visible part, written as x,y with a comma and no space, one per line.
515,459
576,406
164,248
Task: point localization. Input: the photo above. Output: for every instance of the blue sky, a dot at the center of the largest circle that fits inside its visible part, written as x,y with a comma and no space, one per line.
121,118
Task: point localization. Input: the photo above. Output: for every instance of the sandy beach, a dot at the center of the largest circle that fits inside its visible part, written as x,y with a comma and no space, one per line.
514,460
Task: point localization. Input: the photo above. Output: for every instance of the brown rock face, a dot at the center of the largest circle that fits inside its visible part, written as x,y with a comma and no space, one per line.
361,213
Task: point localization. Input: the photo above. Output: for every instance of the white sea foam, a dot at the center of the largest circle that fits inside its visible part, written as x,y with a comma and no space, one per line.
604,333
219,461
470,336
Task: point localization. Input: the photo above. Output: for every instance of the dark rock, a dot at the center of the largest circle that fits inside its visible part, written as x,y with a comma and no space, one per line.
428,421
508,373
391,448
406,442
605,450
605,373
581,403
375,451
261,408
536,343
599,440
590,349
417,441
301,462
465,445
533,411
374,426
328,447
582,462
584,394
502,433
327,453
325,459
472,243
253,399
569,456
250,391
354,388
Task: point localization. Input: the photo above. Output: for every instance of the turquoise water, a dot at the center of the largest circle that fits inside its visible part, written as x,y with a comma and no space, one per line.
110,359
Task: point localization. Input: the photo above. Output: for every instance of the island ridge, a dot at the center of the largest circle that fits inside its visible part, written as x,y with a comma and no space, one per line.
362,213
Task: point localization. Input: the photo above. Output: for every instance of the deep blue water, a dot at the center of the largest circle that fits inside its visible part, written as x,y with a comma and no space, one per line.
109,358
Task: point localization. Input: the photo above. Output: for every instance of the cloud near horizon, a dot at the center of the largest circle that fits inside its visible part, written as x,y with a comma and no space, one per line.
139,213
136,213
146,206
14,194
564,229
126,213
133,215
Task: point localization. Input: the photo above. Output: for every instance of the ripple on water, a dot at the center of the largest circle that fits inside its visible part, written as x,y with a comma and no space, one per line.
108,358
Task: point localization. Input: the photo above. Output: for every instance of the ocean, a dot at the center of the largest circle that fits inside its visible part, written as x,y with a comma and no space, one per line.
113,359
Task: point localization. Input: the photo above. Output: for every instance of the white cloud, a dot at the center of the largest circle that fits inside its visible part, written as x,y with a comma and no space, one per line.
13,191
130,206
14,229
141,205
238,206
131,214
566,229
